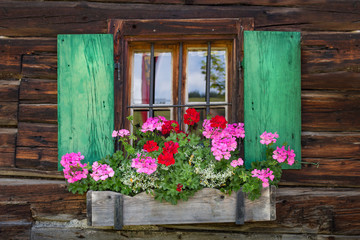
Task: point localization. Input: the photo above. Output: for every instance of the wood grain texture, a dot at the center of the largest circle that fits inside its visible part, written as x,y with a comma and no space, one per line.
40,158
39,113
7,146
37,135
39,66
9,91
211,206
330,145
329,172
91,17
8,113
271,91
38,91
330,110
86,95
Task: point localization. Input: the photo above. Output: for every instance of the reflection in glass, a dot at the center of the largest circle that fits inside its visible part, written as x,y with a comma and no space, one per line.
164,113
141,78
140,116
218,76
196,75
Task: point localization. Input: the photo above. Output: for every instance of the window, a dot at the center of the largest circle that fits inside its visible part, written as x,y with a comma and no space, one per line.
160,85
164,68
94,98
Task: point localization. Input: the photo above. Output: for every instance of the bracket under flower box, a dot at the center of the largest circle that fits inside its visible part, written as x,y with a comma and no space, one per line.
106,208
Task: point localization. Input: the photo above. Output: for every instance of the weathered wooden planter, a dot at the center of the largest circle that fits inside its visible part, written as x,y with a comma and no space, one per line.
106,208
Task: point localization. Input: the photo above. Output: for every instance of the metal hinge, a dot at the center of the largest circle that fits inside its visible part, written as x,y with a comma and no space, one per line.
117,66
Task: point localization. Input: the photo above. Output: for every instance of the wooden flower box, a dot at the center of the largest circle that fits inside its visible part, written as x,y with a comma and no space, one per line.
106,208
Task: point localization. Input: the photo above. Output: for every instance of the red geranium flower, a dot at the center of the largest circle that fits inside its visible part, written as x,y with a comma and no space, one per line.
179,187
191,117
151,146
166,158
218,121
169,126
171,147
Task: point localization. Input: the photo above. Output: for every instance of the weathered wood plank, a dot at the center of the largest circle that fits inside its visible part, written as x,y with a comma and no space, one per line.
37,158
211,206
299,210
39,113
31,173
37,135
272,89
90,17
7,146
39,66
330,53
86,95
341,80
9,91
8,113
330,111
179,27
42,231
330,145
329,172
46,197
38,91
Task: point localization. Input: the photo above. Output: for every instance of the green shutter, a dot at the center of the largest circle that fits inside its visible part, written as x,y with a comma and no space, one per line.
85,95
272,91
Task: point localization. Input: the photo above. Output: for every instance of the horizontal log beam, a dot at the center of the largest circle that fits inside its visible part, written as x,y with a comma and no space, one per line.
330,110
39,113
7,146
38,91
8,113
39,66
37,135
37,158
324,172
330,145
52,18
9,91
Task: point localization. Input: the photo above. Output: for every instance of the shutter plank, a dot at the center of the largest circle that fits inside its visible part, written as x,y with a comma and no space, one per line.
272,96
86,95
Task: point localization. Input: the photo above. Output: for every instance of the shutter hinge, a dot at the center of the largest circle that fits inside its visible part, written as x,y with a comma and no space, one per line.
117,66
240,67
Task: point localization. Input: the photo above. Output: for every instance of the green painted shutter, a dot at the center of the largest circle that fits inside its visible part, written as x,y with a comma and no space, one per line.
85,95
272,91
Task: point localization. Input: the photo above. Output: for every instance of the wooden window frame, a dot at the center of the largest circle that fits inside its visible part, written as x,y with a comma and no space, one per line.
127,31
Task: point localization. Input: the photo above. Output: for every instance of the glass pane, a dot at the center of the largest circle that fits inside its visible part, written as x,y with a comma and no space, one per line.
196,75
163,78
164,113
141,78
140,116
218,76
217,111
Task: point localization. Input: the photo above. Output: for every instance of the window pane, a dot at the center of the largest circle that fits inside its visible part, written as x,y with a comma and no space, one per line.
218,76
141,78
196,75
217,111
140,116
163,78
164,113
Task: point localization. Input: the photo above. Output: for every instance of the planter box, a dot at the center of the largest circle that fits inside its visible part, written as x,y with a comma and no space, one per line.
105,208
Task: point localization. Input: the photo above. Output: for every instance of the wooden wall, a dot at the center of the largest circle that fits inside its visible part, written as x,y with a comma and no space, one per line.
316,202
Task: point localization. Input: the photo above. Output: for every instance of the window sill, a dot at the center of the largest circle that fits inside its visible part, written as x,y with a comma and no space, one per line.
106,208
